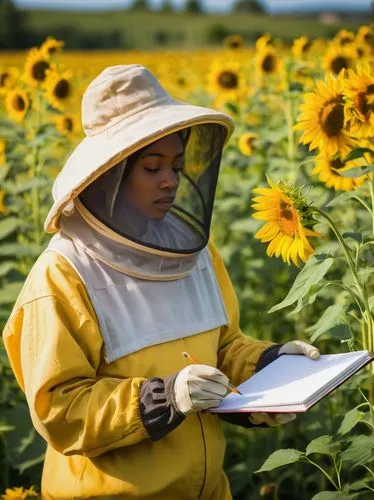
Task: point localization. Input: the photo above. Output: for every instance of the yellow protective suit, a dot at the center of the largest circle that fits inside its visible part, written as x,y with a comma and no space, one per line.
88,410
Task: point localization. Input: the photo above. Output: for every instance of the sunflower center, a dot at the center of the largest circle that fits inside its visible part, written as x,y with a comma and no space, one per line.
3,78
337,164
39,70
235,44
68,124
268,64
338,63
19,103
332,117
306,46
181,81
345,40
288,220
52,50
62,89
228,80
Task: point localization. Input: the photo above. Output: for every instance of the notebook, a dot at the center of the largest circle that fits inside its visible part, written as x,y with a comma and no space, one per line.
293,383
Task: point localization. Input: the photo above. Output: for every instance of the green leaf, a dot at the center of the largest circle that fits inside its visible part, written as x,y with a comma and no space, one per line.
30,463
323,445
6,427
18,188
334,315
280,458
361,484
232,107
360,451
4,171
334,495
357,153
26,441
12,249
8,226
7,266
356,172
355,236
245,225
9,292
311,274
341,198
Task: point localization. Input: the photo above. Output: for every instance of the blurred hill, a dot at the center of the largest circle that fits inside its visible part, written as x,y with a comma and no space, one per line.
144,29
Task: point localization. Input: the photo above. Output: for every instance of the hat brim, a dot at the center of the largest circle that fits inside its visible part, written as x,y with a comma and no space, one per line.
96,154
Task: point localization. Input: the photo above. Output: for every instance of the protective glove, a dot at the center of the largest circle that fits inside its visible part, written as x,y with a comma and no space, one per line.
198,387
299,347
271,419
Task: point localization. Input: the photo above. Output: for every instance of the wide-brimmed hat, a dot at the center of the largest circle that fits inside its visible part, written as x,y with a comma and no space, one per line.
123,109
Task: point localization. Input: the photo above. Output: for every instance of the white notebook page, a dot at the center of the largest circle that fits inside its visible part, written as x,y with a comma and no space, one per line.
290,379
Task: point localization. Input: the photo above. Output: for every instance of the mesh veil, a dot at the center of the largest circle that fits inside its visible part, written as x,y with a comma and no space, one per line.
185,228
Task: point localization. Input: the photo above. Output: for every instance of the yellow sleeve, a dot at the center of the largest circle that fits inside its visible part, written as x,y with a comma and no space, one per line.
54,346
238,354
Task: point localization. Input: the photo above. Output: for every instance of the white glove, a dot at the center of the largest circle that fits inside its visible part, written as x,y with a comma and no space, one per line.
198,387
271,419
299,347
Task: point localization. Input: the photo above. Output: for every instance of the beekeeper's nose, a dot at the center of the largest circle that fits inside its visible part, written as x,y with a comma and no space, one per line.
170,179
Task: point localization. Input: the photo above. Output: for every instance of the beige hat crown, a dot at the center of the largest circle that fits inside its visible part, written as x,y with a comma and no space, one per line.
123,109
117,93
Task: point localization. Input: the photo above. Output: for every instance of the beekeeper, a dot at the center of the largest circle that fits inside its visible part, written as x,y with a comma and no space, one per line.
128,282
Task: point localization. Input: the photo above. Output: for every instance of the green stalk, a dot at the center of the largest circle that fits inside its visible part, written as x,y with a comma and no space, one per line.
345,248
36,199
368,324
324,472
371,188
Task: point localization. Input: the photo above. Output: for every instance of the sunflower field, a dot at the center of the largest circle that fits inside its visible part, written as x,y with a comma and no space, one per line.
293,219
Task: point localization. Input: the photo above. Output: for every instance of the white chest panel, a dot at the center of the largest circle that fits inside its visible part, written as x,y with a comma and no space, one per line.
135,313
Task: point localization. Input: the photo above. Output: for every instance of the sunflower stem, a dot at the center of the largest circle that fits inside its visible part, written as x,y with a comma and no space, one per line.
323,472
345,248
371,187
368,329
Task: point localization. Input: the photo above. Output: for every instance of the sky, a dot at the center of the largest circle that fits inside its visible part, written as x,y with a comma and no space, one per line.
271,6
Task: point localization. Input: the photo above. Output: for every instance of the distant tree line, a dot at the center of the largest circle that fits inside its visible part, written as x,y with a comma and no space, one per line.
15,33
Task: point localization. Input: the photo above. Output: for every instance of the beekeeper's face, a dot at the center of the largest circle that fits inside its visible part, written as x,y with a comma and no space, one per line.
153,181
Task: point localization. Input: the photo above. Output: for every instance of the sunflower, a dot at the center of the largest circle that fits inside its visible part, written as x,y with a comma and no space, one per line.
2,206
344,37
233,42
264,41
284,211
68,125
322,117
50,46
267,62
36,66
16,104
58,88
246,143
2,151
359,107
19,493
327,168
226,80
365,35
338,58
6,81
301,46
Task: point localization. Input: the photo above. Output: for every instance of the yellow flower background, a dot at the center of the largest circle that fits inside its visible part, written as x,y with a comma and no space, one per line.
304,115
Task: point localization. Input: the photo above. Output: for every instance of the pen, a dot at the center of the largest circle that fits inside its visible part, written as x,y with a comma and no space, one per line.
193,360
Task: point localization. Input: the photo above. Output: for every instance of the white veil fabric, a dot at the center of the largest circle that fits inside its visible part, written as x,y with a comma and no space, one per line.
121,235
